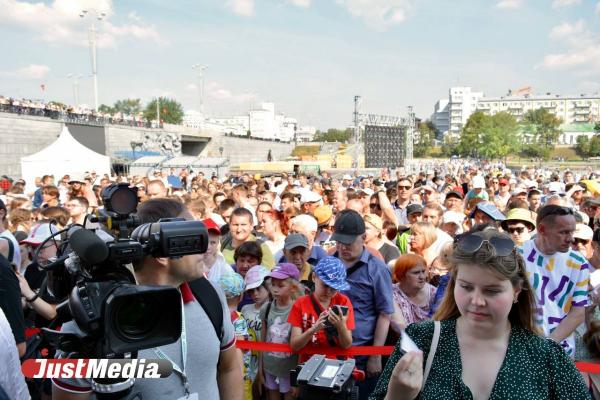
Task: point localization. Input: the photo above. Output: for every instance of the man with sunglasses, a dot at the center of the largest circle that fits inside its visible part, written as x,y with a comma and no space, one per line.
405,189
558,275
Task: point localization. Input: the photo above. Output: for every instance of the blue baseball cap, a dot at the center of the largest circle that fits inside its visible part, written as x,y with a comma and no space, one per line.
489,209
232,284
332,272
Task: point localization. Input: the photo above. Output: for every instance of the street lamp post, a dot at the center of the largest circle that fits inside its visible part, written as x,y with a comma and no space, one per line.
200,68
92,38
75,87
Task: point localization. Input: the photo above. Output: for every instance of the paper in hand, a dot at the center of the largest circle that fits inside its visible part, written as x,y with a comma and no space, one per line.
406,343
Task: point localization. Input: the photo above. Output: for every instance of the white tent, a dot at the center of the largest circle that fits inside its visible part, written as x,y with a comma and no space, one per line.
64,156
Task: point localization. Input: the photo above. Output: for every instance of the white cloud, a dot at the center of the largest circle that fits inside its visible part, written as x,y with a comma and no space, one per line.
583,49
509,4
217,91
567,30
300,3
378,14
245,8
32,72
564,3
59,22
598,8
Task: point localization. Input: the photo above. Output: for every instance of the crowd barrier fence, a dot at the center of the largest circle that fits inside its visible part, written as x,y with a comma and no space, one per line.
582,366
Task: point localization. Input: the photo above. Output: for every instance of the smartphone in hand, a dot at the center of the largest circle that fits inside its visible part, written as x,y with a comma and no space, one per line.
340,310
406,343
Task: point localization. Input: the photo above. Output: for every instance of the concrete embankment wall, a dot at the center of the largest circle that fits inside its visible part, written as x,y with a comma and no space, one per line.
25,135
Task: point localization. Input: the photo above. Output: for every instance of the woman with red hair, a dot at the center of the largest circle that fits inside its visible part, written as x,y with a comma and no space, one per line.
271,225
413,296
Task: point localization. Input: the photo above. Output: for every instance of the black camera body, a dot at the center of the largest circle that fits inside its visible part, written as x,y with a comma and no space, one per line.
322,378
113,315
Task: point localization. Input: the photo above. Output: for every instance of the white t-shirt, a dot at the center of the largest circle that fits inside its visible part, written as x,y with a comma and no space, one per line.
560,282
11,377
218,269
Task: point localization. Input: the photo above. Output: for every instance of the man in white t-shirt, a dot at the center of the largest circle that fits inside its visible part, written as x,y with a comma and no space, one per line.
12,381
558,275
433,213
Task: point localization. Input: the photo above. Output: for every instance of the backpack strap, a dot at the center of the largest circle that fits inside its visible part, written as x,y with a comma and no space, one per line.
207,296
358,265
11,249
267,311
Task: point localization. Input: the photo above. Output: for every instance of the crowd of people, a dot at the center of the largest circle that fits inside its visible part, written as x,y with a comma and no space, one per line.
492,273
77,114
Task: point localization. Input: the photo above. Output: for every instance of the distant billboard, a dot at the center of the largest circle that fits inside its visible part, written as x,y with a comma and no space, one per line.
384,146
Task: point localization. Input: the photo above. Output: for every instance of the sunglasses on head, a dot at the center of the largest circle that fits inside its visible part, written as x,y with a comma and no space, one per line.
472,243
554,210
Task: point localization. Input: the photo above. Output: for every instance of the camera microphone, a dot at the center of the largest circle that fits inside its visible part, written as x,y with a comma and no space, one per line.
88,246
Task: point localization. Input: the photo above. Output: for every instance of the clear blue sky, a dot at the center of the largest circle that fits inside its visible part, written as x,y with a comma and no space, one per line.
309,57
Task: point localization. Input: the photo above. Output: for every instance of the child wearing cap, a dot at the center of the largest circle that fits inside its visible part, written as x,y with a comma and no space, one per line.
257,289
274,367
233,284
325,317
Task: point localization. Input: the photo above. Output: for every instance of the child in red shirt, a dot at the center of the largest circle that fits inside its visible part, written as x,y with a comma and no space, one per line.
325,317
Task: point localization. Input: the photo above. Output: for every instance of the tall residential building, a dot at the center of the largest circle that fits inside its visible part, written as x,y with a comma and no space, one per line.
462,103
441,117
574,111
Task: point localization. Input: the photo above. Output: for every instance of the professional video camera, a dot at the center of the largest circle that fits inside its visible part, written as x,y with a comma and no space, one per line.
322,378
113,316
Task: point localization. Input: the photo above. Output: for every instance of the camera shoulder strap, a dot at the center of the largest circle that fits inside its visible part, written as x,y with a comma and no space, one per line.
328,333
11,249
208,298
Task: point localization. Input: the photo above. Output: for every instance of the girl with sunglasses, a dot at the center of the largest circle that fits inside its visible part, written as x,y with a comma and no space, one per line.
483,343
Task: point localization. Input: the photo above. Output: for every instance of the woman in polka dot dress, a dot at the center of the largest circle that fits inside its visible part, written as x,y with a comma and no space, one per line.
488,346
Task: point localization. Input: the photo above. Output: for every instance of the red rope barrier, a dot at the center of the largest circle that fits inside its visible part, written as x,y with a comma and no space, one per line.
592,368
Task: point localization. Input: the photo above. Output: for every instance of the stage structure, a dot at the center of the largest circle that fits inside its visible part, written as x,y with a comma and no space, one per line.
394,144
384,146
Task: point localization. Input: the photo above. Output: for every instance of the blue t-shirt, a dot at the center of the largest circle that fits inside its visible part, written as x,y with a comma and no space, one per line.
371,294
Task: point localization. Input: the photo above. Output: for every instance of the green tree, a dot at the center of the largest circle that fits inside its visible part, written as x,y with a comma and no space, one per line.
450,146
103,108
490,137
595,146
333,135
543,129
424,142
171,111
128,106
583,146
471,132
597,127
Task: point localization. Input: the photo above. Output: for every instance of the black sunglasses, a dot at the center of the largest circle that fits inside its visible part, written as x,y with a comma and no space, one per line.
472,243
518,230
375,206
552,209
404,187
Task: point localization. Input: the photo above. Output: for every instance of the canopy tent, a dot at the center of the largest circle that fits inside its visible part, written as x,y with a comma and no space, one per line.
64,156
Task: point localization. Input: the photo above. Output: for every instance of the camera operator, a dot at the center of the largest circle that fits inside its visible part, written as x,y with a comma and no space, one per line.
206,357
